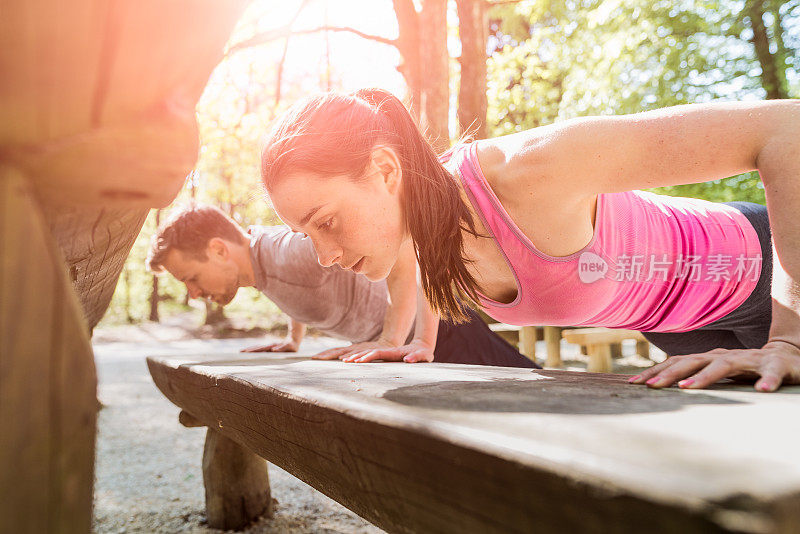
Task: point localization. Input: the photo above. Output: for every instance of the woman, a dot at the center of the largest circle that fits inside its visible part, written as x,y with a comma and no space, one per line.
546,226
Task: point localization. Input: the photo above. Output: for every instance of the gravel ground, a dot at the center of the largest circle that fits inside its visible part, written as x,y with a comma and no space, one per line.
148,468
148,474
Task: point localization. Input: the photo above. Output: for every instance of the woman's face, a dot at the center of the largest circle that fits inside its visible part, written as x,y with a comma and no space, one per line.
355,224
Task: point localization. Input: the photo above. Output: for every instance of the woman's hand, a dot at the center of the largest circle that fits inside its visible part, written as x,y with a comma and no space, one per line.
355,348
287,345
776,362
414,352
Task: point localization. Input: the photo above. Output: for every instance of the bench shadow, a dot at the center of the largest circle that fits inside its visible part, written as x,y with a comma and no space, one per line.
547,396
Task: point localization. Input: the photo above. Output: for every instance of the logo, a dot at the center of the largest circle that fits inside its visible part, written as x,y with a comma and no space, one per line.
591,267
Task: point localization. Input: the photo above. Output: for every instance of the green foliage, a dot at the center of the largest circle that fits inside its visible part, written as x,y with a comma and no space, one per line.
554,60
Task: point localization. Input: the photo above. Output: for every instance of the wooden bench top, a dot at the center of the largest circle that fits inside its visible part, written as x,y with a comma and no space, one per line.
461,448
587,336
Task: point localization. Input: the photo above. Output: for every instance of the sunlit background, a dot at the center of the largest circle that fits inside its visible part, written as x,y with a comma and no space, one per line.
546,61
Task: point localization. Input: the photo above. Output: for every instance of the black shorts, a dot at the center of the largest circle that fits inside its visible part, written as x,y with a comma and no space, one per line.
474,343
746,327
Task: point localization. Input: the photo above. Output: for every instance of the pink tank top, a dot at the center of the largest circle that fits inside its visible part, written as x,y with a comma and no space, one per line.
655,263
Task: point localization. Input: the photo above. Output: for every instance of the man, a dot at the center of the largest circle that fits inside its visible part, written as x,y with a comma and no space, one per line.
213,256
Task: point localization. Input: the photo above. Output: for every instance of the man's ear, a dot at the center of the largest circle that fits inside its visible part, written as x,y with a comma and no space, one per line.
217,248
387,162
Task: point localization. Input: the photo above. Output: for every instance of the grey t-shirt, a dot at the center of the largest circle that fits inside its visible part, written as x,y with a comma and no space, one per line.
336,301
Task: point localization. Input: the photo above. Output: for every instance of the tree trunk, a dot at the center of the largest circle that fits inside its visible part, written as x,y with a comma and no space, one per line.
153,316
154,297
126,281
408,46
436,87
473,30
769,65
781,53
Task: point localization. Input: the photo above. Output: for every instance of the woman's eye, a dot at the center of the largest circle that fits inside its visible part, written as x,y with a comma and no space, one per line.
326,225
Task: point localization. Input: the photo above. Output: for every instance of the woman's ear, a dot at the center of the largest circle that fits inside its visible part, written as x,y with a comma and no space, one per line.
387,162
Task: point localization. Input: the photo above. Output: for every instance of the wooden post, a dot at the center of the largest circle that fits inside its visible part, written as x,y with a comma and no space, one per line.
527,342
552,337
616,350
643,349
236,482
48,384
599,358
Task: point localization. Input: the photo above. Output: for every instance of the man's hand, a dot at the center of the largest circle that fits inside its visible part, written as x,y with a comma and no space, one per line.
287,345
355,348
775,363
414,352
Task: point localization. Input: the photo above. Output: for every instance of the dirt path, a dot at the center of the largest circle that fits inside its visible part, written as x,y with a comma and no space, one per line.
148,475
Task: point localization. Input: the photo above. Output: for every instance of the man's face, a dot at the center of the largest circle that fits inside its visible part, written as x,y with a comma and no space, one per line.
215,278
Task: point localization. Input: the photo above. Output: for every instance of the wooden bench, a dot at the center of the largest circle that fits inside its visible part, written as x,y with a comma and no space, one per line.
601,343
525,338
470,449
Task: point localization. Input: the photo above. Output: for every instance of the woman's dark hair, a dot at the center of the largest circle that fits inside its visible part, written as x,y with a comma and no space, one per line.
334,133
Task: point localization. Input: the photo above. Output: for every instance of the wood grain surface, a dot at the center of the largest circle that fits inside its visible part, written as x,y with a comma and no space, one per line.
456,448
48,383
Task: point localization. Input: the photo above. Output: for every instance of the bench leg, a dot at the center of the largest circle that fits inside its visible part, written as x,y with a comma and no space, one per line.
643,349
527,342
552,337
616,350
599,358
236,482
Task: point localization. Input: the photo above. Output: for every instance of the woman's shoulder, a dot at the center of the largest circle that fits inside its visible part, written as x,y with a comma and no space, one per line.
521,164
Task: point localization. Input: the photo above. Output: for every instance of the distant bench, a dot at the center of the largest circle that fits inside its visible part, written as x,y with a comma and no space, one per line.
470,449
600,344
604,343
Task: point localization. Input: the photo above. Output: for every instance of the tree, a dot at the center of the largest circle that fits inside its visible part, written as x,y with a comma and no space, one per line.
154,296
555,60
422,44
773,64
473,31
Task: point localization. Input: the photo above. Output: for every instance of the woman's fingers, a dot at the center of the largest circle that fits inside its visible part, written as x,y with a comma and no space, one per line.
682,368
418,356
331,354
772,374
712,372
650,372
378,354
407,354
776,363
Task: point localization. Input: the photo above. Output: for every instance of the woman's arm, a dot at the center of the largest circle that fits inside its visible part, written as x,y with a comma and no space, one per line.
420,349
671,146
401,284
689,144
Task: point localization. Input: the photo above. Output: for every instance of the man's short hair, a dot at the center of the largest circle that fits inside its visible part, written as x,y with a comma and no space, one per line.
189,229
